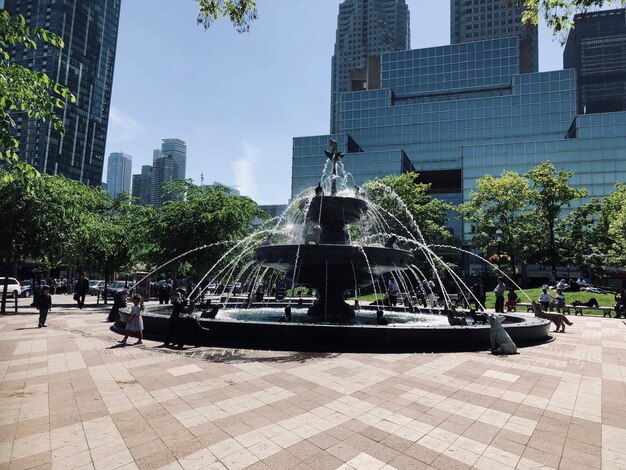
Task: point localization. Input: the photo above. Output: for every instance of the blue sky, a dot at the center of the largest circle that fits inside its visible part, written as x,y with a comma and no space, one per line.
239,99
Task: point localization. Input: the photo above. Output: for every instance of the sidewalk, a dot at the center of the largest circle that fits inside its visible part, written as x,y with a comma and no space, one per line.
71,398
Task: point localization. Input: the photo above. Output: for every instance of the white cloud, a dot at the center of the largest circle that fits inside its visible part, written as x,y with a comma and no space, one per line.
245,170
122,126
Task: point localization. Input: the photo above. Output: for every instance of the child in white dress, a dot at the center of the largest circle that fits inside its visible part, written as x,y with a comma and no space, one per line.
135,323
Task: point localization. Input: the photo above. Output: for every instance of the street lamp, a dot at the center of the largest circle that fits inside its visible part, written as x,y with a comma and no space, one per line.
499,239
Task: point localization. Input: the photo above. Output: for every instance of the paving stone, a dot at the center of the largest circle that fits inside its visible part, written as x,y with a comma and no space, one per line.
70,399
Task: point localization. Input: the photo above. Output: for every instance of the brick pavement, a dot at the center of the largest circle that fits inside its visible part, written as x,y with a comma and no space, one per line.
70,399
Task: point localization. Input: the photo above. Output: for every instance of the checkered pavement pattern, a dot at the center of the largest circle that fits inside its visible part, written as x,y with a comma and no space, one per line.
71,399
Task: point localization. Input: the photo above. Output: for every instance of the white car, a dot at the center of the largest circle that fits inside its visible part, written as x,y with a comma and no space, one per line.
13,287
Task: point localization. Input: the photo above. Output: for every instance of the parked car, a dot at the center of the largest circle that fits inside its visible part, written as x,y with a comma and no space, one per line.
13,287
96,286
117,286
26,288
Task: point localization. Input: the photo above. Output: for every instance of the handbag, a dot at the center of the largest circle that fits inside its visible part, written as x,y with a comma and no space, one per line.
76,297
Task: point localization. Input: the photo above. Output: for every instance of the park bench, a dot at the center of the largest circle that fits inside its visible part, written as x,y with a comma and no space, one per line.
578,309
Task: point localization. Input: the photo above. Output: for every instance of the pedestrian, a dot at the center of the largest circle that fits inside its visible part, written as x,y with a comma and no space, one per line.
620,303
499,291
119,301
511,300
82,287
428,293
479,294
162,292
174,325
44,304
393,290
135,323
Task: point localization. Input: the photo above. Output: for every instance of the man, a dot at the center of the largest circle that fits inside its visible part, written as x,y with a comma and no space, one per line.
499,290
478,291
393,291
174,325
82,287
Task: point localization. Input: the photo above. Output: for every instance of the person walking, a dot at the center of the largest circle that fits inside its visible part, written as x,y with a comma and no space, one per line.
174,325
393,290
82,287
135,323
499,291
478,291
44,304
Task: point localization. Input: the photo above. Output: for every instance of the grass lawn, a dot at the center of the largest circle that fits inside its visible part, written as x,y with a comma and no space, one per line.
526,296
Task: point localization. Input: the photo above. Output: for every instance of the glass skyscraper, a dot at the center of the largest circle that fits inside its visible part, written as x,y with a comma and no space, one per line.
119,172
169,164
455,113
477,20
85,66
365,29
596,48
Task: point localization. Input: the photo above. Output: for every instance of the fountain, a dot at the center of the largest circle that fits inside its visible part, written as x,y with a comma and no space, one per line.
326,262
321,249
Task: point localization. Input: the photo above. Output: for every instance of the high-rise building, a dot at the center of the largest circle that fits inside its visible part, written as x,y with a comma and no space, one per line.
168,164
477,20
85,66
142,186
477,116
596,48
119,172
365,29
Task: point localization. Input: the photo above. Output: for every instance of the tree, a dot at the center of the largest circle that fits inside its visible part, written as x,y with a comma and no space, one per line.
240,12
207,215
559,14
45,218
550,193
500,203
22,89
406,206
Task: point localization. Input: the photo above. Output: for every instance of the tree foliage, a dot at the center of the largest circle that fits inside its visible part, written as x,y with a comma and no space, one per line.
500,203
240,12
559,14
550,193
22,89
206,216
407,206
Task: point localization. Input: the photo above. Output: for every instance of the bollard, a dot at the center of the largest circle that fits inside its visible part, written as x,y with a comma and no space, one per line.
16,297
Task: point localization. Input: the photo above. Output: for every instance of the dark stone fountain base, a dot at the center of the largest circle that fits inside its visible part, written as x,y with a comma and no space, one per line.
349,338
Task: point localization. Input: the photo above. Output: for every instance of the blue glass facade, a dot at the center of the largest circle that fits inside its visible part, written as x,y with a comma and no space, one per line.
466,110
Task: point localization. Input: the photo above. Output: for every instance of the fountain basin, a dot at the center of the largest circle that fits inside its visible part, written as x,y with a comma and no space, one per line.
339,264
325,337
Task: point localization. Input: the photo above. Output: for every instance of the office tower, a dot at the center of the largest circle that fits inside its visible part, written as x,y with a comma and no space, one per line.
119,172
596,48
365,29
478,116
142,186
169,164
477,20
85,66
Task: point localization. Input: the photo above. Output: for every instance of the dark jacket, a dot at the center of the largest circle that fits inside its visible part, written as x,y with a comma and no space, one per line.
44,302
82,286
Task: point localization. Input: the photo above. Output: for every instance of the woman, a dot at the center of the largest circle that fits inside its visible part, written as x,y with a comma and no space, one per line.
560,300
119,301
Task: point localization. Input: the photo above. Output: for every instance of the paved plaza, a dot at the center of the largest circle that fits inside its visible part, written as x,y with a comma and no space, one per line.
70,398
